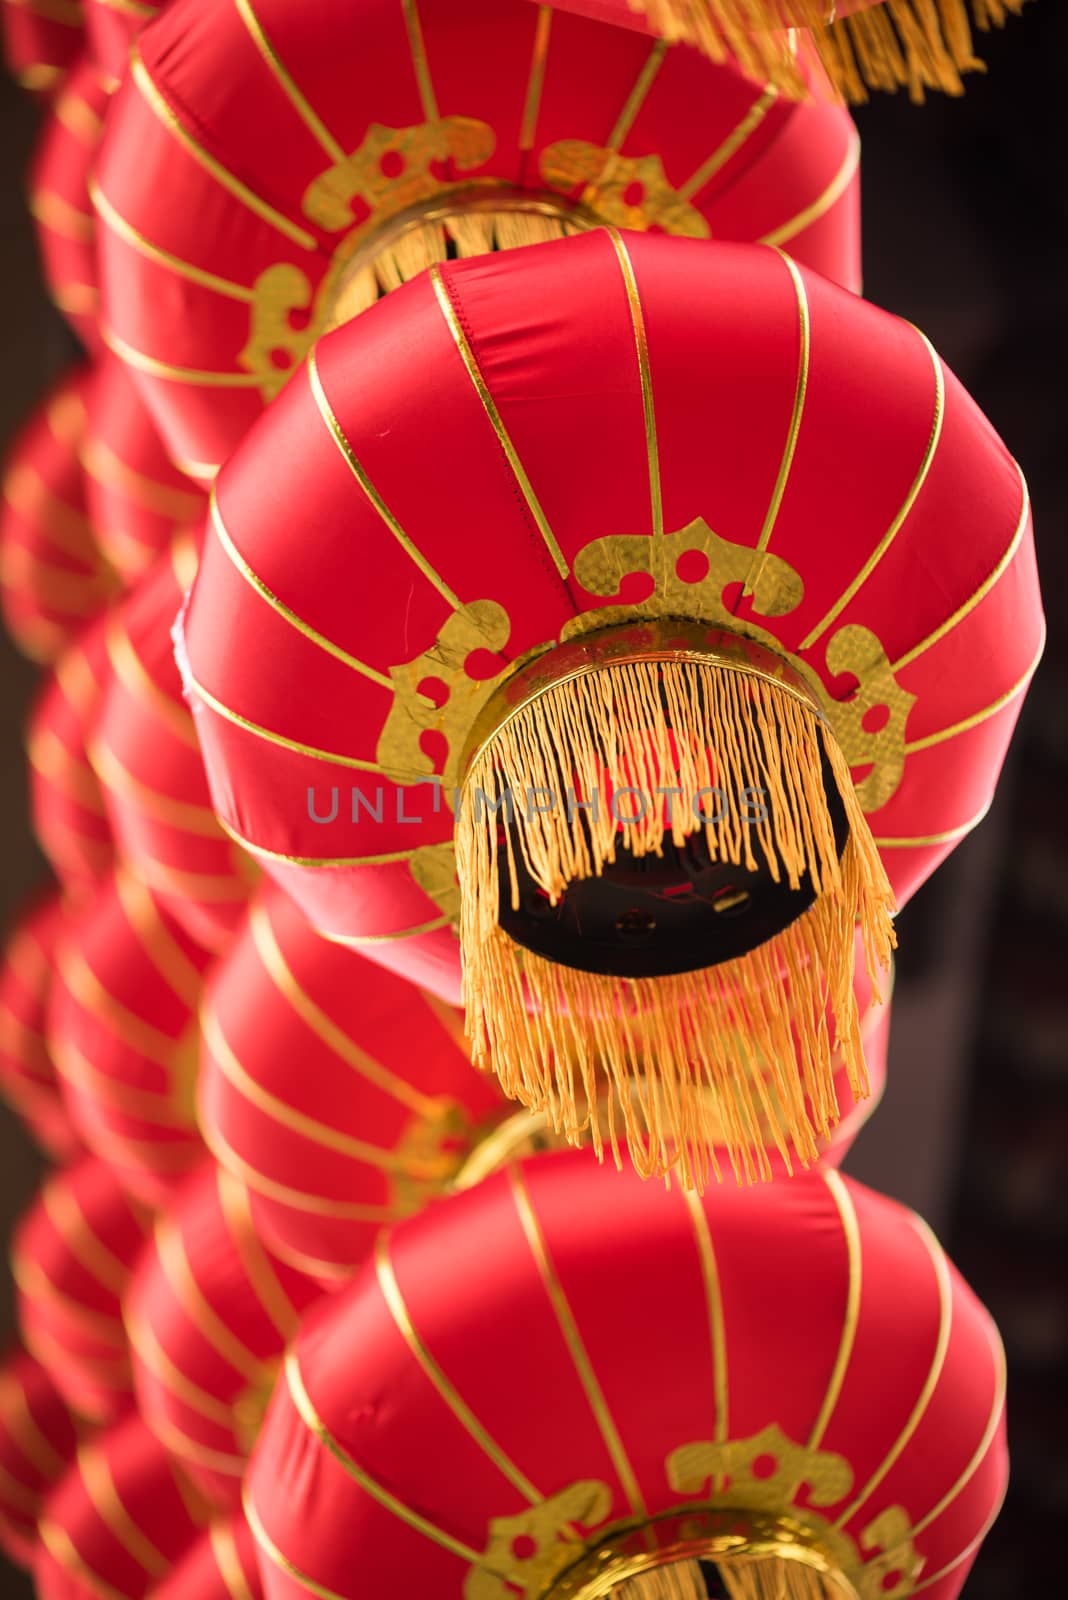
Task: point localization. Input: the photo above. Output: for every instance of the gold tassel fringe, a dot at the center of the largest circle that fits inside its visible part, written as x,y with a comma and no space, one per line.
724,1053
767,1578
426,244
894,44
680,1581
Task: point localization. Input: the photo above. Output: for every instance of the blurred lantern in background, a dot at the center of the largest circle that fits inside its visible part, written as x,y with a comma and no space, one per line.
641,598
208,1313
568,1383
220,1566
60,203
53,578
122,1031
42,41
355,146
27,1072
111,27
118,1521
146,755
38,1437
71,1256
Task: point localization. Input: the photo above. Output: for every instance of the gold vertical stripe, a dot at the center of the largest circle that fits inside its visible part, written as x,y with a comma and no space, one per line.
945,1297
804,339
315,1205
637,317
19,1421
154,252
391,1293
739,136
389,1502
714,1301
164,113
637,97
228,1560
573,1339
270,1550
198,377
186,815
923,840
489,405
228,714
851,1232
145,1344
536,78
102,1491
374,498
823,203
301,105
336,1038
997,1408
129,1028
987,712
173,1259
131,673
159,944
420,64
237,1214
256,583
969,1550
980,594
910,500
57,1542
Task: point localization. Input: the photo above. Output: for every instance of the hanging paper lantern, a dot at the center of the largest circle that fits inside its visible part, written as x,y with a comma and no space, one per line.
42,40
27,1072
147,758
137,501
71,1256
565,1383
60,203
122,1030
118,1521
52,576
112,27
220,1566
208,1314
355,145
66,801
647,517
38,1436
863,44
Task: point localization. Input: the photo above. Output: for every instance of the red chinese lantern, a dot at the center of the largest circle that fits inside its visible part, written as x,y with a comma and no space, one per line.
863,44
208,1313
118,1521
52,576
66,801
344,1098
71,1256
38,1437
220,1566
122,1031
60,203
537,601
110,30
27,1072
138,503
145,753
356,145
42,40
567,1383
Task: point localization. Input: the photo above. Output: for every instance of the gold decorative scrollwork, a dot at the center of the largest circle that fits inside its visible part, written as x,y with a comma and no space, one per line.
392,169
856,650
693,1468
625,191
525,1553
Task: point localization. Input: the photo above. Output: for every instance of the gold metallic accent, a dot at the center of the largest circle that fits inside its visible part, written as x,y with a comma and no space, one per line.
977,717
467,356
237,1214
142,913
536,78
735,140
179,1444
389,1502
717,1333
270,1550
391,1294
637,317
67,12
52,211
183,269
299,1199
135,679
130,8
790,448
256,583
152,1106
301,105
851,1232
997,1409
176,1267
820,206
67,528
910,500
20,1424
228,714
262,853
463,141
196,376
636,99
182,814
87,989
102,1490
145,1344
572,1337
228,1560
57,1541
969,1550
106,468
166,115
552,1544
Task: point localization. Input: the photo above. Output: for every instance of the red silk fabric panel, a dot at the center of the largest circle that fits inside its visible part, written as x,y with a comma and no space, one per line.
122,1031
71,1256
184,262
28,1078
52,576
707,1321
208,1313
220,1566
38,1437
111,29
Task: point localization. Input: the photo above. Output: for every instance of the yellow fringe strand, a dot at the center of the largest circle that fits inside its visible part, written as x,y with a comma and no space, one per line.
680,1581
768,1578
712,1057
893,44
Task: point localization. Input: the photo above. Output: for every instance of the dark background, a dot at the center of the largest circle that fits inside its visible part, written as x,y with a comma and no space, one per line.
966,234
